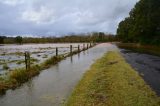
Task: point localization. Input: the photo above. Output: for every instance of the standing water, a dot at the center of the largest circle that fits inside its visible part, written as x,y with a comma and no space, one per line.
54,85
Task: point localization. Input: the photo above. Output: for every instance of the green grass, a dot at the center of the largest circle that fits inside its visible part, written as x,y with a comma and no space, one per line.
149,49
112,82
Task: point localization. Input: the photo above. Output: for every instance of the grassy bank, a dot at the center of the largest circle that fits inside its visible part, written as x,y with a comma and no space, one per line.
112,82
18,76
149,49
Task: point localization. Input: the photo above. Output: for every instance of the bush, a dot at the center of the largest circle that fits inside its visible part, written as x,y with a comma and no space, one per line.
5,67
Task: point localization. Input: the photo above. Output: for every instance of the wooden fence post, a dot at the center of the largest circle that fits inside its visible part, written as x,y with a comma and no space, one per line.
78,48
87,45
27,60
70,49
83,46
56,51
25,54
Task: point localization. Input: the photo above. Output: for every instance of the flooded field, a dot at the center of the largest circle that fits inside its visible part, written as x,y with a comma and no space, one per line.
147,65
54,85
12,56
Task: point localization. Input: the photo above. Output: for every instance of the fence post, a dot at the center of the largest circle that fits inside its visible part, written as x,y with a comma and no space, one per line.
78,48
87,45
83,46
56,51
70,49
27,60
25,54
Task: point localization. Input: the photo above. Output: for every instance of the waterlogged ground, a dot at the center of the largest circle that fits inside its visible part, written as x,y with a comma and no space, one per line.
54,85
148,67
12,56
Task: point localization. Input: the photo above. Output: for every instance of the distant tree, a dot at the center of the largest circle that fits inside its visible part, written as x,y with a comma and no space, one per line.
19,39
2,39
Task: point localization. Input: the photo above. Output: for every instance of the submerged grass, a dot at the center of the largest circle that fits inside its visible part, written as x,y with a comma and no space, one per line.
112,82
18,76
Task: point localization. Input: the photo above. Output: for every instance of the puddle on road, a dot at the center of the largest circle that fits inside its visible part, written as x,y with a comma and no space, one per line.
53,86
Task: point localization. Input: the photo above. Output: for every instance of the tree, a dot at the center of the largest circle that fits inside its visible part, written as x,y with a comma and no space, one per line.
19,39
143,24
2,39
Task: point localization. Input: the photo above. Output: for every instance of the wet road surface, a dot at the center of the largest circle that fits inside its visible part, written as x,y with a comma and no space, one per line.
147,65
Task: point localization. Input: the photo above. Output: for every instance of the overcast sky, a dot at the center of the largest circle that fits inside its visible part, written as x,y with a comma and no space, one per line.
58,17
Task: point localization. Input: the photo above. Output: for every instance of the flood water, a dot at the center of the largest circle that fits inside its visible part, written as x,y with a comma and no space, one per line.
147,65
54,85
13,55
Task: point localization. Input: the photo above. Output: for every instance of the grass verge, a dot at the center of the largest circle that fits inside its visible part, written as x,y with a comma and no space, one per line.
149,49
112,82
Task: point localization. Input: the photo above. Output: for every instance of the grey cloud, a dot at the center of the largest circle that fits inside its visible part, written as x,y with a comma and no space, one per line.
52,17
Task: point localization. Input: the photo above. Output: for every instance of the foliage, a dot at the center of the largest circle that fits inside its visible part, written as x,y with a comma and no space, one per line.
149,49
106,85
19,39
143,24
93,37
5,67
2,39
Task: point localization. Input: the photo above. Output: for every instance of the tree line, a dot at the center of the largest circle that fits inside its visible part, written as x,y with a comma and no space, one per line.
143,24
93,37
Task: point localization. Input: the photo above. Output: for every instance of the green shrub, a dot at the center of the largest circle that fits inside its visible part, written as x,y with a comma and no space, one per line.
5,67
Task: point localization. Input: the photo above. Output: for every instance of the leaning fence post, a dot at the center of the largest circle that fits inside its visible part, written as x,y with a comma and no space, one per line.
56,51
70,49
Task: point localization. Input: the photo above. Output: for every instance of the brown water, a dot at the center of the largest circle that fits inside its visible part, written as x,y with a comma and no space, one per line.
54,85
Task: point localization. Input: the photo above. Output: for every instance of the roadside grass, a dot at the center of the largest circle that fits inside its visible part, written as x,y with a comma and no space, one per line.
154,50
112,82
